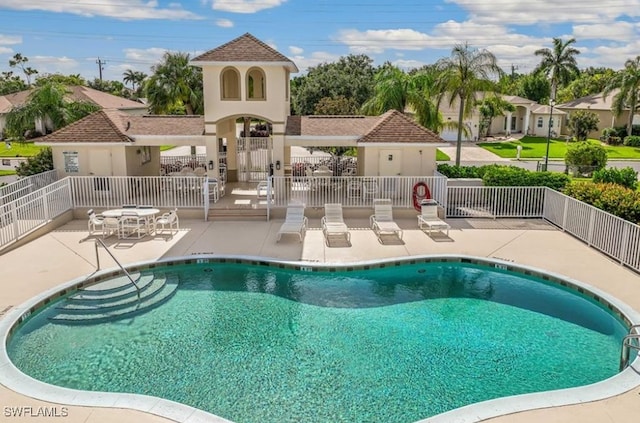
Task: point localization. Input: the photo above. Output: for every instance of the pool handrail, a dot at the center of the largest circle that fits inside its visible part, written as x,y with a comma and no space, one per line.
627,345
99,241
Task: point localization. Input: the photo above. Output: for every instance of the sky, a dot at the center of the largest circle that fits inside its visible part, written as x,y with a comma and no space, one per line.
71,36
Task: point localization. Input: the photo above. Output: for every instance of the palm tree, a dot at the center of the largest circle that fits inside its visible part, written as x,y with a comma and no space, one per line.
558,64
47,103
628,82
129,77
490,108
466,72
175,86
398,90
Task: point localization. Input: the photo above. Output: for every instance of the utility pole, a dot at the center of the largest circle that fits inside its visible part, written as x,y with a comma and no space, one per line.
514,68
100,67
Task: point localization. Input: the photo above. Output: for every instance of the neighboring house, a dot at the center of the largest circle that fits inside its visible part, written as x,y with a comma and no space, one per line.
601,106
529,118
244,79
76,93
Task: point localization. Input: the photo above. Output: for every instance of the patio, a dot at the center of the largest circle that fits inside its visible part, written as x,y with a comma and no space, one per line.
69,254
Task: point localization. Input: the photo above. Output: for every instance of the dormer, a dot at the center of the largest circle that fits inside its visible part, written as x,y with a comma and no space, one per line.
245,77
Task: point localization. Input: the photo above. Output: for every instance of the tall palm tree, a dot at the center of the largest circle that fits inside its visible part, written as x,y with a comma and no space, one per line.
628,81
398,90
129,77
462,75
175,86
558,64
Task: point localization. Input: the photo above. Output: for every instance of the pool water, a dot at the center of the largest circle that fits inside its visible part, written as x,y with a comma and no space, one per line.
395,344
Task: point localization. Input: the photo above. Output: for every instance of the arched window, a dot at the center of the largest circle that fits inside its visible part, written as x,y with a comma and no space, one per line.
256,84
230,83
540,122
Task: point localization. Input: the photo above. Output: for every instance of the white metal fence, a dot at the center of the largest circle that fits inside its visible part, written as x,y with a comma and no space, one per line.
610,234
26,185
495,201
339,165
30,211
351,191
160,191
170,164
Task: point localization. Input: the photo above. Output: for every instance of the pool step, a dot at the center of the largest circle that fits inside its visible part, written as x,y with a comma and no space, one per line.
106,290
158,291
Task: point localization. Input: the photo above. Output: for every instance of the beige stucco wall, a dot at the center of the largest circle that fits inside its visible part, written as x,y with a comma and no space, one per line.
125,160
275,108
415,161
607,120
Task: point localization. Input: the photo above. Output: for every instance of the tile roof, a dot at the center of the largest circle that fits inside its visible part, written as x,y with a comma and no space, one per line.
591,102
245,48
545,110
114,126
394,126
75,93
98,127
328,126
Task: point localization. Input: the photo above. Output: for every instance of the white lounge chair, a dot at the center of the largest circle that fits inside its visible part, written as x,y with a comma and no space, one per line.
333,222
95,221
381,220
428,218
295,222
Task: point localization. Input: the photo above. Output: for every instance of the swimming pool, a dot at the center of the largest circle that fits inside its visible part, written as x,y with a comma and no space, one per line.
254,340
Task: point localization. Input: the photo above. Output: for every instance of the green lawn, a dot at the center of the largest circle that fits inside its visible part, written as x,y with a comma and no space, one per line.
535,148
7,172
19,149
442,157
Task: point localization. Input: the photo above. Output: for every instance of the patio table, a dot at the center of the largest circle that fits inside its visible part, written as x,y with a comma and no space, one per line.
147,214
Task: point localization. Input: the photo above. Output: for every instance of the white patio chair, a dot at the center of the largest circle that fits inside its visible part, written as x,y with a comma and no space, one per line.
295,222
381,220
110,226
333,222
428,218
168,220
95,222
132,225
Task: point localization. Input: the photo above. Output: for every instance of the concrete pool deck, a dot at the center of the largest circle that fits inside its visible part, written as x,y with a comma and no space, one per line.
63,254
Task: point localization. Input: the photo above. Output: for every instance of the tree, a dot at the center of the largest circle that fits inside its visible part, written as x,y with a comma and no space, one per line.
534,87
463,74
351,77
135,78
628,82
58,78
48,104
558,64
175,86
40,162
398,90
116,88
492,107
19,60
10,83
336,106
585,158
582,122
589,81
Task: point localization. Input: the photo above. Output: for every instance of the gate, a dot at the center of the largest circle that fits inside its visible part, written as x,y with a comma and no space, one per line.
254,156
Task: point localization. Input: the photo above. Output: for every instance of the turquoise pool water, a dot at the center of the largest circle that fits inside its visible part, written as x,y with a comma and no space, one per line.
395,344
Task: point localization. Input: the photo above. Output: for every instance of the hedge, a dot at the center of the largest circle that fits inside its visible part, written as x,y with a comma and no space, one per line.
613,198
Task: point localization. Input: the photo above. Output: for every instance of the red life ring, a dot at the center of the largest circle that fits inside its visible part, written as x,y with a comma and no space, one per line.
420,192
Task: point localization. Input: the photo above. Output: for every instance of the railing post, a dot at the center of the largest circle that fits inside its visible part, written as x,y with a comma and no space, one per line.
565,213
625,243
14,216
45,205
591,224
269,195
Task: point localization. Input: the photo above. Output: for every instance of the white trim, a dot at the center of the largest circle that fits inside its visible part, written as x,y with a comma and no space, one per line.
403,144
289,65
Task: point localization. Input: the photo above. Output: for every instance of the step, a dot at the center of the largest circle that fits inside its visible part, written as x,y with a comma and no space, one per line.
147,304
112,285
114,303
91,295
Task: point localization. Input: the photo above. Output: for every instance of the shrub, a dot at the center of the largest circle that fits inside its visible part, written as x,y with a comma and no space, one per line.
39,163
581,123
464,171
614,141
632,141
627,177
585,158
615,199
512,176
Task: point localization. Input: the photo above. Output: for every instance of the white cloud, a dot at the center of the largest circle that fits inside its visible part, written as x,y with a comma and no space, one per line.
245,6
52,64
6,50
296,50
9,39
224,23
615,31
408,64
527,12
377,41
145,57
118,9
316,58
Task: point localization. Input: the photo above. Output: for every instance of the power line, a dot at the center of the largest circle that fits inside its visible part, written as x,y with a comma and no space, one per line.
100,66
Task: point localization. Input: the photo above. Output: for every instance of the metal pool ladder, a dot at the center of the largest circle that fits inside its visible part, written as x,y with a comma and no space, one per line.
99,241
629,342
